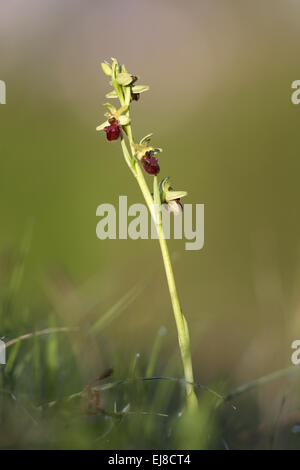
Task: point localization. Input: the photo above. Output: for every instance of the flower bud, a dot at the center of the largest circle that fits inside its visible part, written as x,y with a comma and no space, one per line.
106,69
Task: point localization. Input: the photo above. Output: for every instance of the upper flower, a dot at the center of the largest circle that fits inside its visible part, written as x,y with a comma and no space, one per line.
116,119
123,80
114,130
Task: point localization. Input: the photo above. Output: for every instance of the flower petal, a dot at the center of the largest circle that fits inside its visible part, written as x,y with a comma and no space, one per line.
106,68
110,107
146,139
124,120
173,195
140,89
125,78
101,127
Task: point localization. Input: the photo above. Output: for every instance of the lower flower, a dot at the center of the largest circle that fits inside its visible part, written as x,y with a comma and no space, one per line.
175,206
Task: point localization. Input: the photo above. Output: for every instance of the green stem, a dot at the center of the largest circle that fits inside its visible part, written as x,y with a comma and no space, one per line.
181,324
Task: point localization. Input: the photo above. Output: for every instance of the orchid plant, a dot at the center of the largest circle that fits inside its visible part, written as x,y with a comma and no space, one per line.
141,157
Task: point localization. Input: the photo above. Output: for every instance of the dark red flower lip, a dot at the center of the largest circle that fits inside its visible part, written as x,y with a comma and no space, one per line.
114,130
150,164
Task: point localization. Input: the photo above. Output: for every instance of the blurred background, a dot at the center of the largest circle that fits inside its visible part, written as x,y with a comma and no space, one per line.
219,104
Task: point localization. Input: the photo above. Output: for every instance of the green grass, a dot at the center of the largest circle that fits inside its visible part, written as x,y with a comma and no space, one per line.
50,395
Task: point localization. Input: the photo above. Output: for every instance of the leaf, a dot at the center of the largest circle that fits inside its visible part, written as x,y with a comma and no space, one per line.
115,67
115,310
17,275
52,349
140,89
154,355
126,409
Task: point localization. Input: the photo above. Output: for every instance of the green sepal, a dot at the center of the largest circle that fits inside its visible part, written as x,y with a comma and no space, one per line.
121,110
106,68
137,89
172,195
110,107
124,78
146,139
124,120
112,94
166,192
101,127
115,67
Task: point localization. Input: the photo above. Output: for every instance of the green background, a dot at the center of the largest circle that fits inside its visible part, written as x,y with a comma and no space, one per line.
219,104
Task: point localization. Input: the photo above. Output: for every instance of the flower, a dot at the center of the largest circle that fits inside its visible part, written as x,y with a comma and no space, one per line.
146,154
114,130
116,119
121,78
126,79
171,199
175,207
150,163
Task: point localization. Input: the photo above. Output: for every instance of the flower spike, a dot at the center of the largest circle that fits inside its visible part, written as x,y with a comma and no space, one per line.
144,155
